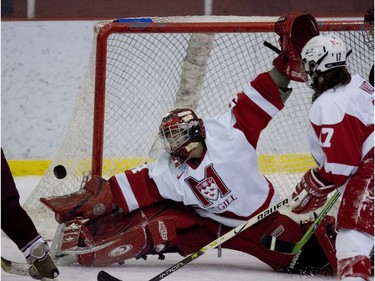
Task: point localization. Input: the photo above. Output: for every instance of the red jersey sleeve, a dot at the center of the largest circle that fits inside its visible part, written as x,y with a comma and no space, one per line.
255,107
134,189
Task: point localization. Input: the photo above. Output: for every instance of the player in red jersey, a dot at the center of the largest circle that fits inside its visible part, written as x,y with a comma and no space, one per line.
341,139
206,182
19,227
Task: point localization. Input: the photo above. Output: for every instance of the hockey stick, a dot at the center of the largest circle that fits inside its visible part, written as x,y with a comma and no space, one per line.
13,267
272,47
20,268
104,276
279,245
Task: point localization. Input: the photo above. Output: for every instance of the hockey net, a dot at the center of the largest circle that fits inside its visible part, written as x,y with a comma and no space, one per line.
142,68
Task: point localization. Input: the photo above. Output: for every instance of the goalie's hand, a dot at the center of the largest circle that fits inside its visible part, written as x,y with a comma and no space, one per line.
311,192
295,30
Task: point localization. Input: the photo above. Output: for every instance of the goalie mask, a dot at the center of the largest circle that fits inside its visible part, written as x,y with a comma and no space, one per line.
320,54
180,132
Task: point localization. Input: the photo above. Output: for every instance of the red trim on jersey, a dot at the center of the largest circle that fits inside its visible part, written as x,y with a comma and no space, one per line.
118,197
267,203
267,88
251,119
250,122
344,146
144,188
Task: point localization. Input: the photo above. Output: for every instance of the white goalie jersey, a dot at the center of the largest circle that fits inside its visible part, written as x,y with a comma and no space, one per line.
226,185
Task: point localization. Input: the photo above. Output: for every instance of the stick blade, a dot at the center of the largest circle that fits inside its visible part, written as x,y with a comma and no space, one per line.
104,276
15,267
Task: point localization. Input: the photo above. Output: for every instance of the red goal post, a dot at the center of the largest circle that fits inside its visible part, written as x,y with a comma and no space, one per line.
142,68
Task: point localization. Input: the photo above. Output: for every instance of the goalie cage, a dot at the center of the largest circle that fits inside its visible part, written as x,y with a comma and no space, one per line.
141,68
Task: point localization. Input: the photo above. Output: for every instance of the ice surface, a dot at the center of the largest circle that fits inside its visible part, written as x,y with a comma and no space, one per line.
233,265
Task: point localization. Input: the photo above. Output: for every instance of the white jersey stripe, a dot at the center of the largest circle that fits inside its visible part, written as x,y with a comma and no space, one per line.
268,107
340,169
127,191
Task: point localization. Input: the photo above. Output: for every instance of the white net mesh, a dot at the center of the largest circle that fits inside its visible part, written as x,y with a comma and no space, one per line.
143,76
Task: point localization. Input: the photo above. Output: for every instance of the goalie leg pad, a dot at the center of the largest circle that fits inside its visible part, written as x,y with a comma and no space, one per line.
72,232
163,234
93,201
125,234
357,205
126,245
151,230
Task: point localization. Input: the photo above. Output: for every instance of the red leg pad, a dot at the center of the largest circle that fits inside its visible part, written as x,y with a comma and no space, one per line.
357,205
358,266
150,230
127,234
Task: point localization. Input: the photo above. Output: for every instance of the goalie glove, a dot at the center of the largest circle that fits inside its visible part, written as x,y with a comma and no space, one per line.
93,201
295,30
311,192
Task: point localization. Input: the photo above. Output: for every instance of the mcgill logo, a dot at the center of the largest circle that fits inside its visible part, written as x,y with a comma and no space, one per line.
209,188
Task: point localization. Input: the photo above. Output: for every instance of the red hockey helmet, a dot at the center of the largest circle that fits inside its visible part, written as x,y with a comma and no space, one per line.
181,131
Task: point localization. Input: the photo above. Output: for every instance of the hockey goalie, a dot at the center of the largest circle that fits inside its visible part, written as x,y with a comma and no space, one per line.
206,183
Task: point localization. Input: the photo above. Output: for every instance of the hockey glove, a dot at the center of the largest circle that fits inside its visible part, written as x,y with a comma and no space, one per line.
311,192
93,201
294,29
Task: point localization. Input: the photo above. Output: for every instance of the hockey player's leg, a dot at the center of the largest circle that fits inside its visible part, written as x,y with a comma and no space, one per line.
19,227
314,258
249,241
93,201
355,223
353,248
15,222
42,266
318,254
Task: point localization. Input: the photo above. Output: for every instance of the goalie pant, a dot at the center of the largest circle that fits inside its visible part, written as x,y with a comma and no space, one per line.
169,226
